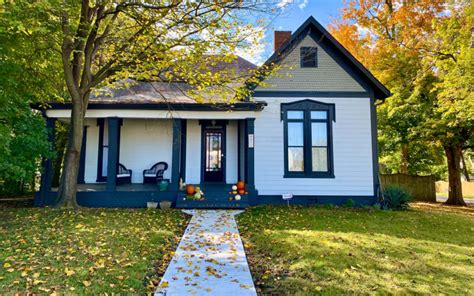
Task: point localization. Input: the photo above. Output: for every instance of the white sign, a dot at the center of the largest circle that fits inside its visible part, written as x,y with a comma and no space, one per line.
251,143
287,196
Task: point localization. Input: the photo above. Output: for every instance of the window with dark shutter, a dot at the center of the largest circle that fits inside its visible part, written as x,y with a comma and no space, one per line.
309,57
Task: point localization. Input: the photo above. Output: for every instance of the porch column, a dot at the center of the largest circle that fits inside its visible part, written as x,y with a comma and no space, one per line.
175,166
47,175
250,153
112,158
82,161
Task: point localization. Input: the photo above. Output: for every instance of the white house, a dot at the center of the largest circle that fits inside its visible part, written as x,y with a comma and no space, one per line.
310,131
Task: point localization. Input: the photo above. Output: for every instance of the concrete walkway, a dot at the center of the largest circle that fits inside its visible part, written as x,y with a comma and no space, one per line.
210,259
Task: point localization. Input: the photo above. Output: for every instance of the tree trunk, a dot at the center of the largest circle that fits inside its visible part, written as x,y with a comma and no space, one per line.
405,159
453,154
68,186
464,168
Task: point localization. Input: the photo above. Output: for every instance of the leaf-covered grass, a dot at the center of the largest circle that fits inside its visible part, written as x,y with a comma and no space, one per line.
85,251
428,249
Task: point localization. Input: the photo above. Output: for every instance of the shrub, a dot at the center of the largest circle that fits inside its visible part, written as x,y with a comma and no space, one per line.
349,203
395,198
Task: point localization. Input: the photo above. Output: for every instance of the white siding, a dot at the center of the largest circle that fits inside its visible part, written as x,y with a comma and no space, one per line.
328,76
92,143
193,152
231,153
144,142
352,148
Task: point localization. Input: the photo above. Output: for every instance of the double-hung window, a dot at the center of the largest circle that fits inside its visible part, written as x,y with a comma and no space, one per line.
308,139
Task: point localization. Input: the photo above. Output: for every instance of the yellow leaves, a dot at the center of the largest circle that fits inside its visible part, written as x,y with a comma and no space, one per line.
86,283
164,284
11,270
6,265
69,272
37,282
79,226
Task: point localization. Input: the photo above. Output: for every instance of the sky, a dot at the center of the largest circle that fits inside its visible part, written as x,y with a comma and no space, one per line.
294,13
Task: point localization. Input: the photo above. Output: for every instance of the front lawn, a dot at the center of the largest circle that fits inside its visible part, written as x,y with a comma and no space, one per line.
428,249
85,251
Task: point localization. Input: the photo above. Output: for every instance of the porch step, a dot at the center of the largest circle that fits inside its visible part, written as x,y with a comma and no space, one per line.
213,200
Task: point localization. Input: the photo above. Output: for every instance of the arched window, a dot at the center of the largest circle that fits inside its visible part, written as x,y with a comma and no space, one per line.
308,139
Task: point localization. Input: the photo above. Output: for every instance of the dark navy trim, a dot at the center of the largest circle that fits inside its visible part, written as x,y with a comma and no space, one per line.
182,161
175,167
315,94
307,106
241,106
112,151
326,40
47,164
375,149
250,155
82,160
239,143
100,154
359,200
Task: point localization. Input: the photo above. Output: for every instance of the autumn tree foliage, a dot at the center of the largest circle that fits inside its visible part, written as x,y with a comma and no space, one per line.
418,49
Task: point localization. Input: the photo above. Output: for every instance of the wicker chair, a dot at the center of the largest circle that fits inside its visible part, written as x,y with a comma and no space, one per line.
155,173
124,175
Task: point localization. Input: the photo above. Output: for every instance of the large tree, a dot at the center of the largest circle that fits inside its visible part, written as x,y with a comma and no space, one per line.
384,35
420,51
450,119
101,42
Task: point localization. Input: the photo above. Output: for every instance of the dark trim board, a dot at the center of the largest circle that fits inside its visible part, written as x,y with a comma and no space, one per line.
241,106
138,199
314,94
306,200
82,160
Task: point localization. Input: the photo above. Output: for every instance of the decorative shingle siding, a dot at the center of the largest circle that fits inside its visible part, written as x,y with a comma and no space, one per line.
328,76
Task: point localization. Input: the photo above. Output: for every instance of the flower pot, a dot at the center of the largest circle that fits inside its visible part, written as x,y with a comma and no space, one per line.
165,205
163,185
151,205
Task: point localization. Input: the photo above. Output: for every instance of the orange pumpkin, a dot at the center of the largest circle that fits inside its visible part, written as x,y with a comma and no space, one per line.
190,190
241,185
241,191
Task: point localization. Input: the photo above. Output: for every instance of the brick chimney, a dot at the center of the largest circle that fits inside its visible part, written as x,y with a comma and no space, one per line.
279,38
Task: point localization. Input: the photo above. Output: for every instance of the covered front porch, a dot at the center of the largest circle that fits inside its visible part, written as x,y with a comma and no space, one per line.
210,149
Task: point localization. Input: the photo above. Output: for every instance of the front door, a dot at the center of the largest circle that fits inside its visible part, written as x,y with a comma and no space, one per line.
213,164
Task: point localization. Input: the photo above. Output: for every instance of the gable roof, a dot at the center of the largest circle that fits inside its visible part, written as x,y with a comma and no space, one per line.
311,25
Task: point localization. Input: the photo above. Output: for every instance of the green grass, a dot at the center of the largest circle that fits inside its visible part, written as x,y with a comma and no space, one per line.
305,251
85,251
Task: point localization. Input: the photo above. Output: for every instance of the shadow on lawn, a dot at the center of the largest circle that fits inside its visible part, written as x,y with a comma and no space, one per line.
340,251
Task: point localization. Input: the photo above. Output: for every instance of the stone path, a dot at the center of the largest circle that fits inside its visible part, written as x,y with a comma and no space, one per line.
210,259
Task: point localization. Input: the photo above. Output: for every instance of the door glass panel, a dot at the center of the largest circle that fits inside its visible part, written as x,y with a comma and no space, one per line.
213,151
320,159
319,135
295,134
295,159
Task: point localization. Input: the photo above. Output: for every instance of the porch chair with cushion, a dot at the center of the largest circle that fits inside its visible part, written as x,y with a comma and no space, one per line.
155,173
124,175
